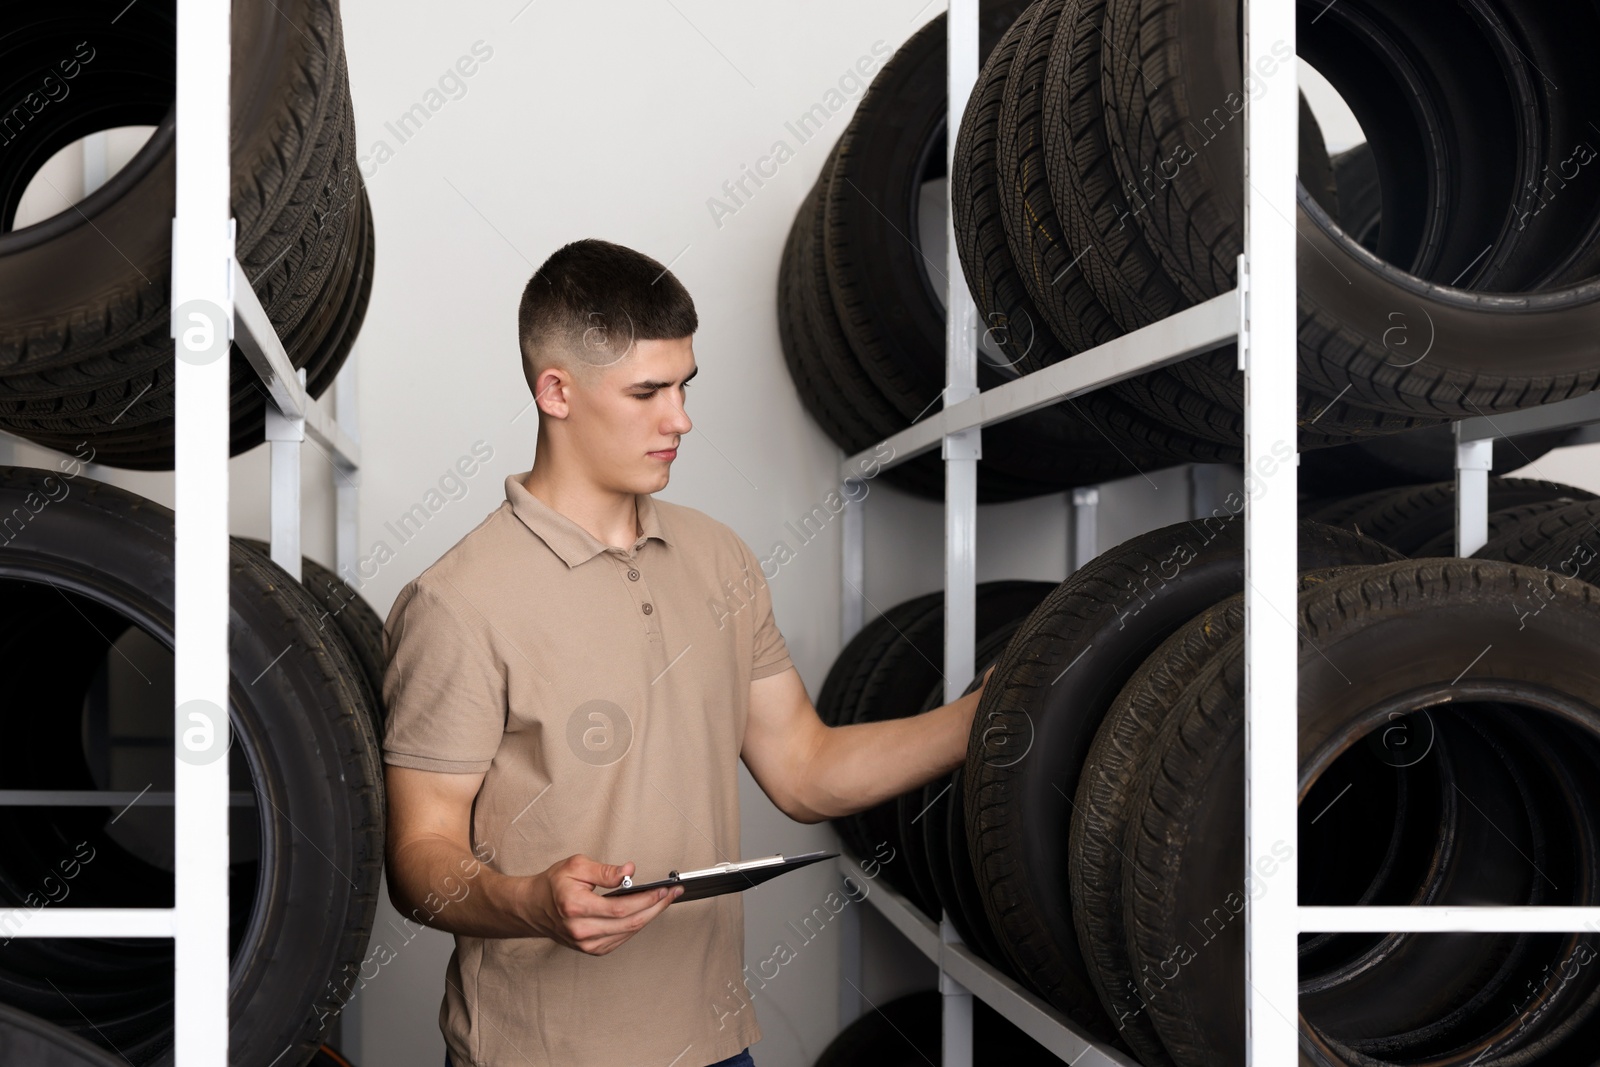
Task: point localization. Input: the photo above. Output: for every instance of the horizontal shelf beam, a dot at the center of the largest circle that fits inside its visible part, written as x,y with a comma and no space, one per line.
1425,919
258,340
86,922
1172,340
1022,1007
100,798
1564,414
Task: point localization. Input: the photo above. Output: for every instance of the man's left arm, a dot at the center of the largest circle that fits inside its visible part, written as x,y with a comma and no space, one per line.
813,771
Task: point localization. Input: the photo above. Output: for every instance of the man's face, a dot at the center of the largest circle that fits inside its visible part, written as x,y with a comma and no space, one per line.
628,423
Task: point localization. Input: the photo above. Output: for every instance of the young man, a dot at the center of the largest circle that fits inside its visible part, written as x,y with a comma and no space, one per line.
569,689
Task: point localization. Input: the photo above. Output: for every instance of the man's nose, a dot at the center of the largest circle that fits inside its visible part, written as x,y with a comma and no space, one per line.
678,421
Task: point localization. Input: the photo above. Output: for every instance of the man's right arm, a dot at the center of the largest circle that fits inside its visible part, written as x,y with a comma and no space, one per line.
435,878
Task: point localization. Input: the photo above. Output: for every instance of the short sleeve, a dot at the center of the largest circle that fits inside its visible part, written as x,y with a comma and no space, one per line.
771,655
445,698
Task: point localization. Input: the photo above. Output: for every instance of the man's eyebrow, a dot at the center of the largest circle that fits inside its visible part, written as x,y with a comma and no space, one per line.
662,385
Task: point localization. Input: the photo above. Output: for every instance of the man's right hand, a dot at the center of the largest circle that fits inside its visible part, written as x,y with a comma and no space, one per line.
567,908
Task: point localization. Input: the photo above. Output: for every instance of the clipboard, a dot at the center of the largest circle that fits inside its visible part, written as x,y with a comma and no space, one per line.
723,878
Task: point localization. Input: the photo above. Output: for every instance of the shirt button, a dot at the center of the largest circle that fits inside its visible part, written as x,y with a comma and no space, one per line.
648,609
633,575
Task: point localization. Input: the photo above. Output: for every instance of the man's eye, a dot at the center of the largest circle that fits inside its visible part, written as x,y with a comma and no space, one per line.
647,395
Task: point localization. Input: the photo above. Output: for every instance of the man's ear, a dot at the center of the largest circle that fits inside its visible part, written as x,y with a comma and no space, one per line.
554,392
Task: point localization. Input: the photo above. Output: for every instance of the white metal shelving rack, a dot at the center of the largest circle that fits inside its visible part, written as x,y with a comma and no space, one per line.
1261,315
213,303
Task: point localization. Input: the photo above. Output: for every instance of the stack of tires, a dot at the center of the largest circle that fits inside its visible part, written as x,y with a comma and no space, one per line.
1450,740
86,349
1112,135
1448,268
86,576
861,294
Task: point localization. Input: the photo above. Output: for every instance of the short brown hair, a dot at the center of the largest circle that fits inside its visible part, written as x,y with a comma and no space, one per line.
590,301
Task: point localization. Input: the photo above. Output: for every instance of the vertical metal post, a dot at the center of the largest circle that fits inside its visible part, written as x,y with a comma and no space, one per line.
346,495
202,326
1474,459
1202,490
1267,340
285,435
1085,526
961,452
956,1001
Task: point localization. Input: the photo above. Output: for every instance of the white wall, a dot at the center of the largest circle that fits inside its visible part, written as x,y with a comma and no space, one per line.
619,120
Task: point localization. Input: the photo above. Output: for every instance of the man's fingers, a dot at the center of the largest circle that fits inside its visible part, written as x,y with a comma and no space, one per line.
613,930
656,906
632,903
594,872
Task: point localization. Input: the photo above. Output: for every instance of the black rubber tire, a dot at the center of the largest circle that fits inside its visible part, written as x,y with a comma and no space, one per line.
1189,55
881,294
968,914
1013,321
1046,261
1117,758
84,324
1425,455
1567,541
313,762
841,690
1503,533
1048,696
906,664
1398,630
1122,267
1100,817
932,806
29,1040
945,840
911,806
1408,518
849,400
1358,208
353,619
909,811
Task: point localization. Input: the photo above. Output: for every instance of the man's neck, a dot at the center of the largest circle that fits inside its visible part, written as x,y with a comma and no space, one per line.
611,517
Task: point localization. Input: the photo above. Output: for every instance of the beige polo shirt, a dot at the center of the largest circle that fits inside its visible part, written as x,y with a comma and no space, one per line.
605,692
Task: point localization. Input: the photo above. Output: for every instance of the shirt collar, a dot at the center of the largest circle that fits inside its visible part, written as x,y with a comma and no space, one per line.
566,538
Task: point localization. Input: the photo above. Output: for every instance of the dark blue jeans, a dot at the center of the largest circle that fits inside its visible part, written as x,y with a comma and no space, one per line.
741,1059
